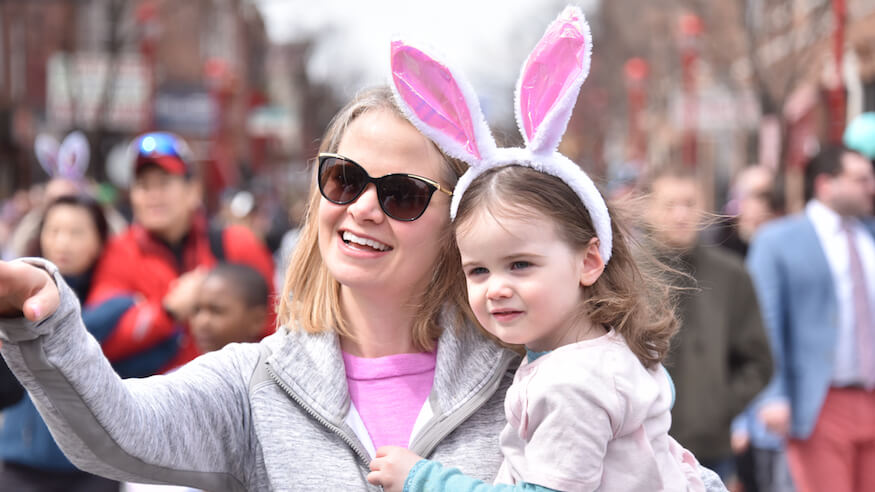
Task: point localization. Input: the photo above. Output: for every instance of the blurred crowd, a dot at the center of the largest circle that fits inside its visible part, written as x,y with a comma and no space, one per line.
161,282
160,279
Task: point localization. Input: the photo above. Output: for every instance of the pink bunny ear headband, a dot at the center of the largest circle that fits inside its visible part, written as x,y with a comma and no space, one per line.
444,107
67,159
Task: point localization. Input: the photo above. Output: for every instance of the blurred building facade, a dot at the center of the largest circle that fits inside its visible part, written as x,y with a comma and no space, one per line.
743,82
115,68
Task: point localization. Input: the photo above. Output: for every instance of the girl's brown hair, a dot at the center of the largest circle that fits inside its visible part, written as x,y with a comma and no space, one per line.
629,296
310,298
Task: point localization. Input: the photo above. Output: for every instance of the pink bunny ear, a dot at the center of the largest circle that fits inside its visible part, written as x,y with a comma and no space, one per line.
551,78
440,104
46,149
73,156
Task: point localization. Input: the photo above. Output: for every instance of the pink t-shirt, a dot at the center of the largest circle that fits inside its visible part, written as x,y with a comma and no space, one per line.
388,393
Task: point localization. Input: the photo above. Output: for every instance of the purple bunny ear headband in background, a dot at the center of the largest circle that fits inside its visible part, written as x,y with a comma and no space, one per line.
68,159
444,107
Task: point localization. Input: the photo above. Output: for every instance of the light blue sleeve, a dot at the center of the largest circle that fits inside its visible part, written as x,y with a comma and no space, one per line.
427,475
742,421
671,385
767,272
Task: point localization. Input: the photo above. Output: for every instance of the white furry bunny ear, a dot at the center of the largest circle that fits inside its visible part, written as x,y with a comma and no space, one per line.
73,156
550,81
46,149
444,108
440,103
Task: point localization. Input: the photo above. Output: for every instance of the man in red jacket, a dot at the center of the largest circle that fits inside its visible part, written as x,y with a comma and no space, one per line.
161,259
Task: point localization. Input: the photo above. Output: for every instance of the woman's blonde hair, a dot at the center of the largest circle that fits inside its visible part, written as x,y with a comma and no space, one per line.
630,295
310,298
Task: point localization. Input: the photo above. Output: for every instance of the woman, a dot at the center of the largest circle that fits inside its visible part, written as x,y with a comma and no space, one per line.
376,278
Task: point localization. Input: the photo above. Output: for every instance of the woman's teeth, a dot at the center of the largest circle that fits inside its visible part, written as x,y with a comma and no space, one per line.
352,238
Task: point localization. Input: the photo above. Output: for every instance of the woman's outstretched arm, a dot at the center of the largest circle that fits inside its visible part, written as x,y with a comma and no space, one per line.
190,428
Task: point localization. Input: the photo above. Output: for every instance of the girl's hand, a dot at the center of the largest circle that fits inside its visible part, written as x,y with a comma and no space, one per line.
391,466
26,290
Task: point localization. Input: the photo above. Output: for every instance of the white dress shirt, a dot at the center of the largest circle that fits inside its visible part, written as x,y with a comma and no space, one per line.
828,225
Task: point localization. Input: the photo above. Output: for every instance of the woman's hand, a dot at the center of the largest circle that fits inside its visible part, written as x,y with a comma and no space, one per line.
391,466
28,290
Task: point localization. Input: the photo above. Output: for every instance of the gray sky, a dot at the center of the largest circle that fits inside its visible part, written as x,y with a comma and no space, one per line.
487,40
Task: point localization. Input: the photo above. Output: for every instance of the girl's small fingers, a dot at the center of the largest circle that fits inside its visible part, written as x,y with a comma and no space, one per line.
374,478
383,451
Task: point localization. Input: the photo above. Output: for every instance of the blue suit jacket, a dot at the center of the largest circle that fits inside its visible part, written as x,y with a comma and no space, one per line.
800,310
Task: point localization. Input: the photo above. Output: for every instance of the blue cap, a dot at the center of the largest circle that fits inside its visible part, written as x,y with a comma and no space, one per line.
860,135
163,149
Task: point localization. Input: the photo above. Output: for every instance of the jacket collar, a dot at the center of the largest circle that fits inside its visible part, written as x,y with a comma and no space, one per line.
149,243
311,366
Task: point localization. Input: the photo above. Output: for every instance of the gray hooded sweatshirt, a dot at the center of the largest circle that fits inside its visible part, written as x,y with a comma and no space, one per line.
266,416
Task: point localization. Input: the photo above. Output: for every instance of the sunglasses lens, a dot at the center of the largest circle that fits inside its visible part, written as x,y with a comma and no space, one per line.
403,197
341,181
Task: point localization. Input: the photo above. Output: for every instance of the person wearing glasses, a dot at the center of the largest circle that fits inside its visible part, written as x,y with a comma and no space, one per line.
163,256
377,346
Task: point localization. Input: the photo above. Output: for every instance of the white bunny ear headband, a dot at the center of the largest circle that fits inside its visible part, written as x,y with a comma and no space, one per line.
68,159
444,107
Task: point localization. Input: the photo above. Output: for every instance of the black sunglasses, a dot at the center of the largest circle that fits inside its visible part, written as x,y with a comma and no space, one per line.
402,196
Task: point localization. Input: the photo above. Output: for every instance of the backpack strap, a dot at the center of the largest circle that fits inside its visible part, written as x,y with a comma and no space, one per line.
217,243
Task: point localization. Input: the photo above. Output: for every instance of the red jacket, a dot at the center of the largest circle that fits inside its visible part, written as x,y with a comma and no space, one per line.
136,263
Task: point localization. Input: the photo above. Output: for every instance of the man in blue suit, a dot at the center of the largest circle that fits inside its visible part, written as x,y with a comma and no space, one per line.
815,278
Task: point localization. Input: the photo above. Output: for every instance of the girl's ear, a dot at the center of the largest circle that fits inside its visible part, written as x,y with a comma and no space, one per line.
592,264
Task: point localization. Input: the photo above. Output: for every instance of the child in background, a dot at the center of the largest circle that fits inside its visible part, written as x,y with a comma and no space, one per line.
547,267
231,306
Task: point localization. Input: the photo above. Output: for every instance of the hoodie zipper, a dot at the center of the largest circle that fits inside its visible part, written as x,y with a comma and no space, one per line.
444,427
365,458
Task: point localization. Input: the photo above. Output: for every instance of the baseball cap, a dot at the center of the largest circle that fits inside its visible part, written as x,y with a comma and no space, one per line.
163,149
860,135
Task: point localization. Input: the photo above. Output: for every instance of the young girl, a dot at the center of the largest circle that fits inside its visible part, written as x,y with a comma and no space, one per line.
547,268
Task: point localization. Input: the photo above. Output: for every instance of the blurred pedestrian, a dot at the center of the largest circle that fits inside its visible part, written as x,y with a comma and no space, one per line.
721,349
163,256
755,199
814,273
66,164
760,455
26,231
231,306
